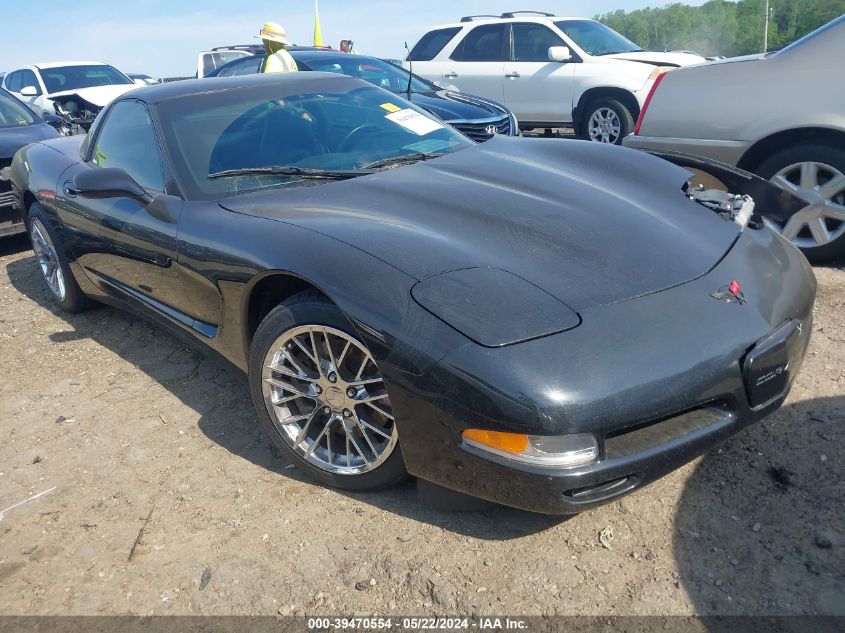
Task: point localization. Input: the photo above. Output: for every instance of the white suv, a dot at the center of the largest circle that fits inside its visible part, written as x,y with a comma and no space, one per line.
549,71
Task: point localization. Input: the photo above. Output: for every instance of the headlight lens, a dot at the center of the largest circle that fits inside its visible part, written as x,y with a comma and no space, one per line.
557,451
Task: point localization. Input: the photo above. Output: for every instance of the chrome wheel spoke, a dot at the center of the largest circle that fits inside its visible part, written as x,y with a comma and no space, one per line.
834,211
357,448
374,429
809,175
281,384
323,433
793,228
833,187
378,410
819,230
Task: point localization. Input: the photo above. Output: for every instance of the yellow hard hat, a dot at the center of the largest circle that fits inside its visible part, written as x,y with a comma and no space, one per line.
274,33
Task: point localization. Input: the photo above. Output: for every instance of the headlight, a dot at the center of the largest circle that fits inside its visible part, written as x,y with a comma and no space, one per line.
557,451
471,301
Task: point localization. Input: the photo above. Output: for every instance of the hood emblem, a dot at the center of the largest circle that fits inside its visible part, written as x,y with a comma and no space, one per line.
491,130
732,293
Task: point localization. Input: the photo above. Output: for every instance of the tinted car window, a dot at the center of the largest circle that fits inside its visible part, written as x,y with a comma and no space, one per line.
377,72
13,81
340,128
242,67
482,44
78,77
531,42
128,141
431,44
595,38
13,113
28,78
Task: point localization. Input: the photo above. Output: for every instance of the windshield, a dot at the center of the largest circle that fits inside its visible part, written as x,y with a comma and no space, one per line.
377,72
13,114
595,38
337,130
78,77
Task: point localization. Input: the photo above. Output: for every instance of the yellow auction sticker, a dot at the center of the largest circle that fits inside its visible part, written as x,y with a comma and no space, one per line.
390,107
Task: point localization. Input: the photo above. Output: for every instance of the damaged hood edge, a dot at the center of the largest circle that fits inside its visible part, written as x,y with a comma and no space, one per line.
99,96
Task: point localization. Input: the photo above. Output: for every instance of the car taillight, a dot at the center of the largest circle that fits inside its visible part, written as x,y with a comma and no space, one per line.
641,118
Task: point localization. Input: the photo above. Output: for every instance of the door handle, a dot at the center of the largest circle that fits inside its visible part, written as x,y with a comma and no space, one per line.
513,75
451,75
68,190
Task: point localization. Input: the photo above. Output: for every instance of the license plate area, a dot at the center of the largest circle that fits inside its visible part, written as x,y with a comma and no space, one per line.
767,368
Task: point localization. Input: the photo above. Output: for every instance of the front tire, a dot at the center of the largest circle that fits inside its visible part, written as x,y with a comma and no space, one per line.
606,121
816,174
52,262
321,398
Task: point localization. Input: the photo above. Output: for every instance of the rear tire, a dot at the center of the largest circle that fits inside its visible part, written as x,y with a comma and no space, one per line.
606,120
308,327
815,173
52,262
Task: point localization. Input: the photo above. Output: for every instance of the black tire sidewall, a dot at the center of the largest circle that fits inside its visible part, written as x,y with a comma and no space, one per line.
75,300
294,313
626,119
807,152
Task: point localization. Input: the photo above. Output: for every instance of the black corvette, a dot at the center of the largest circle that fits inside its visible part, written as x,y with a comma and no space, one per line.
546,324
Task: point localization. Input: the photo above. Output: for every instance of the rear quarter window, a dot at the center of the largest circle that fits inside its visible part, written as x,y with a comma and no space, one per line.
432,43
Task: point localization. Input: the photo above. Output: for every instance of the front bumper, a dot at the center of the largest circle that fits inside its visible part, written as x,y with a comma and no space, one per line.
658,379
11,220
729,152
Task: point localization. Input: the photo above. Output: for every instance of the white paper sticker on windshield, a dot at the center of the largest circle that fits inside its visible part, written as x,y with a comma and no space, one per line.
414,122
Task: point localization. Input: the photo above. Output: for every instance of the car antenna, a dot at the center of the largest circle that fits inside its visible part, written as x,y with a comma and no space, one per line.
410,70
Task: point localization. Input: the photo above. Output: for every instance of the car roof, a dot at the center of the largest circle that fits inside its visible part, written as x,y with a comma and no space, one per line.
287,82
46,65
494,20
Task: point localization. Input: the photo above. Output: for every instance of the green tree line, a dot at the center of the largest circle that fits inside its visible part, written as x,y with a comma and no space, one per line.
719,27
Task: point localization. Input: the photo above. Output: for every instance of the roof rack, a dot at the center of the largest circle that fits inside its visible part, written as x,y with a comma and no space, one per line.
470,18
513,14
237,47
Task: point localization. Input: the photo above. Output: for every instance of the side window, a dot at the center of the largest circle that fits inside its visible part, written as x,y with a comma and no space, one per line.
482,44
431,44
249,67
13,81
531,42
128,141
28,78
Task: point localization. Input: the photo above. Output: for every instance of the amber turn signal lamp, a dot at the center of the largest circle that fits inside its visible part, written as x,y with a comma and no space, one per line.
508,442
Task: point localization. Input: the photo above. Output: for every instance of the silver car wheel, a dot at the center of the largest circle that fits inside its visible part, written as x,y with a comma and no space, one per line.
328,401
604,126
48,260
822,188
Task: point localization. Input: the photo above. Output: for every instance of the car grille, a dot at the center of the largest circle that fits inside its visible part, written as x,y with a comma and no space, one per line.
7,197
480,131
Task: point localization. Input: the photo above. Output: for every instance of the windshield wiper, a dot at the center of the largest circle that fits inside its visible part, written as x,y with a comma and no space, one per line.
404,159
303,172
636,50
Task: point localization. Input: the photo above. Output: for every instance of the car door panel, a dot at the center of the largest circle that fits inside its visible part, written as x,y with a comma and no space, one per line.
477,64
122,247
536,89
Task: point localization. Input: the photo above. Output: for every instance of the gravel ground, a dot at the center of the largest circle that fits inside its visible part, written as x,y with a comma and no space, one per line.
168,500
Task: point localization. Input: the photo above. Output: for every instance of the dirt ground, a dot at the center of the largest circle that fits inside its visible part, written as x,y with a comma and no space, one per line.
168,500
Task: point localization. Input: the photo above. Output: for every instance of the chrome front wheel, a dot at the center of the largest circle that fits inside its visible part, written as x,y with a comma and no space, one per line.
328,401
48,259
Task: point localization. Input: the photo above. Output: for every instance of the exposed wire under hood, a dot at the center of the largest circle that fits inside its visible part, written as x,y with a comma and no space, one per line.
76,110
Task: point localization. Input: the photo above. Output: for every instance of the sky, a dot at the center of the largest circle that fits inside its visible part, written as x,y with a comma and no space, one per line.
162,37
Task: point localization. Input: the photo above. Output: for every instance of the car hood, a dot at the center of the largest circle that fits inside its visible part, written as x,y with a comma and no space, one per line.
454,106
13,138
590,224
659,59
99,96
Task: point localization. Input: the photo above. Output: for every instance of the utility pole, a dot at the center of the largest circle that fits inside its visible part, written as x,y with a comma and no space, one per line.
766,30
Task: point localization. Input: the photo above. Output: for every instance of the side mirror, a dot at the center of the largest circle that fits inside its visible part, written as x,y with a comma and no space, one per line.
30,91
109,182
560,54
56,122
